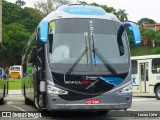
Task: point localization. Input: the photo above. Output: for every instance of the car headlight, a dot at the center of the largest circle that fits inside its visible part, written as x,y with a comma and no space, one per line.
55,90
127,89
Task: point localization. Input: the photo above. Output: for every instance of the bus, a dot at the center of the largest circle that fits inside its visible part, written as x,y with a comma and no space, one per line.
146,75
3,85
1,72
78,58
16,71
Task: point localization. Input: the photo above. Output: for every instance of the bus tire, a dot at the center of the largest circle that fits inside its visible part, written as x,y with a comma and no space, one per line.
103,112
157,92
26,100
1,101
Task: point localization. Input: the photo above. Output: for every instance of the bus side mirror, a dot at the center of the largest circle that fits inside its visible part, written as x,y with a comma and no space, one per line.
43,32
134,30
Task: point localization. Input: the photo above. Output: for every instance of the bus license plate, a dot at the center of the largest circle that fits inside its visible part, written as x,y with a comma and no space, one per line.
92,101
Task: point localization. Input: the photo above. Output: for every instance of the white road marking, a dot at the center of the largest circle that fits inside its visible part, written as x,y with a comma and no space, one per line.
144,99
131,110
18,108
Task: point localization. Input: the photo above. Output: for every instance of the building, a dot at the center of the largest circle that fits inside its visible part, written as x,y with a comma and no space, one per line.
151,26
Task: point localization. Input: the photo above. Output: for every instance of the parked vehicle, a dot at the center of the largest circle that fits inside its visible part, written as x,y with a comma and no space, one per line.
146,75
15,71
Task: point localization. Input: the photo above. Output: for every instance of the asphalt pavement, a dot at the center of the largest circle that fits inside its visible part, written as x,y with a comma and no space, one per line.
14,102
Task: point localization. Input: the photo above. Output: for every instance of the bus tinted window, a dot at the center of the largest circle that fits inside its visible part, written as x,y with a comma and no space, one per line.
156,65
65,37
134,66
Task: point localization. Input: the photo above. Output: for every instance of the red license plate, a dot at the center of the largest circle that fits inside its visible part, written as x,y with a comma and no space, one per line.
92,101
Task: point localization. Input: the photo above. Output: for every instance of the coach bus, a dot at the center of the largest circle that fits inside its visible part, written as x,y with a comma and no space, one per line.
78,58
146,75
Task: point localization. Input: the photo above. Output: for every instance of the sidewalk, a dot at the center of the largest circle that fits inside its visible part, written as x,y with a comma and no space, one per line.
17,92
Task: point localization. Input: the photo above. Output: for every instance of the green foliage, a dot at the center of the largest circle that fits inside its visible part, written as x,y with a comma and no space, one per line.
15,37
130,38
120,14
18,24
142,50
157,37
146,21
147,33
28,17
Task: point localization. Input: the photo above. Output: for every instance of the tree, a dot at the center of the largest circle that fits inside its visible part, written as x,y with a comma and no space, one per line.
46,6
20,3
122,15
15,37
0,22
146,21
18,24
29,17
147,35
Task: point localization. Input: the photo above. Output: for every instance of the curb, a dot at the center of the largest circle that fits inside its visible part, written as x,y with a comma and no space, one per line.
19,92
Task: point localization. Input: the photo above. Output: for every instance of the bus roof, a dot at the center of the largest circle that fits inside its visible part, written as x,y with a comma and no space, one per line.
79,11
16,66
144,57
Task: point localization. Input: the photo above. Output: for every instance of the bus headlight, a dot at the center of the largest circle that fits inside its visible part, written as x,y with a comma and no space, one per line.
127,89
55,90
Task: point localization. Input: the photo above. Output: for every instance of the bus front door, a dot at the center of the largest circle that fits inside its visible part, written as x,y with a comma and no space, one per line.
144,77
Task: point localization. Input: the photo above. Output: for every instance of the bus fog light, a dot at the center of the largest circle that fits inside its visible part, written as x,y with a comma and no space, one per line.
127,89
55,90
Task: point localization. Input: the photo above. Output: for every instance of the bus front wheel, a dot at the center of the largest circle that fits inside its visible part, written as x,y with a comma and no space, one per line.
157,92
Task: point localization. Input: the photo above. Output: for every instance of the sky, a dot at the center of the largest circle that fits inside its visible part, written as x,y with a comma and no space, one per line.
136,9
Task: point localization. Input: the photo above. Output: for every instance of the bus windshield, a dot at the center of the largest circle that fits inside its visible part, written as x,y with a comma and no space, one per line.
15,68
68,38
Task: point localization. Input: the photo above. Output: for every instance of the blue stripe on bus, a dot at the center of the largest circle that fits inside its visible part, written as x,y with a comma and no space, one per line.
112,80
83,10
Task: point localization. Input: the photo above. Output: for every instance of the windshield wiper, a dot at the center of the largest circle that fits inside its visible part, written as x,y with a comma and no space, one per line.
104,61
76,62
80,57
93,48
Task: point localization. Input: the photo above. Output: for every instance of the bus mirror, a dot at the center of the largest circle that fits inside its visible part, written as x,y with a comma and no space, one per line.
135,32
43,32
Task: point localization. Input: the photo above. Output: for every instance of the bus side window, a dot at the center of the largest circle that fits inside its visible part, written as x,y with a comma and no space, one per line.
156,66
134,66
40,59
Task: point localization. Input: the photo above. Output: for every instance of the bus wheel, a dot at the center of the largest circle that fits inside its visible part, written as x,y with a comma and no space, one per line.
158,93
104,112
26,100
1,101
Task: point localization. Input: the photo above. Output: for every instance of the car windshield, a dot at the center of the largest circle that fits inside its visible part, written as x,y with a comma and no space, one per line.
68,38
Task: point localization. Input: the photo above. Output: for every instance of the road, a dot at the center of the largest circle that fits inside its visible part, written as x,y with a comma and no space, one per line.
16,103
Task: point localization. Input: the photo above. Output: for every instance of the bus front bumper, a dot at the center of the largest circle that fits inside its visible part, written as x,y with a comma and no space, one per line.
121,102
